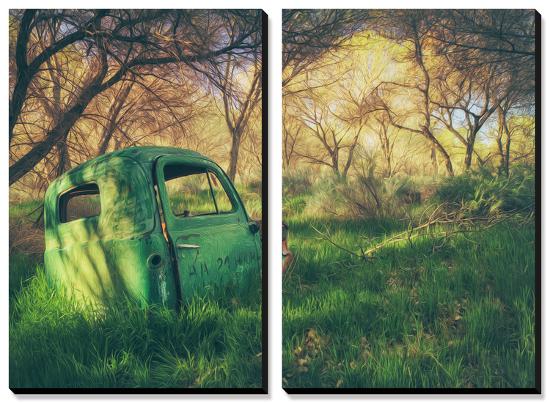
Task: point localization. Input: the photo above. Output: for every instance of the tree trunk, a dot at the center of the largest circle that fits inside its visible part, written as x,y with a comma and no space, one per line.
40,150
63,158
58,133
468,156
18,97
437,146
335,163
234,155
64,162
106,137
426,93
501,155
350,157
448,162
61,130
507,158
387,152
435,164
503,149
23,74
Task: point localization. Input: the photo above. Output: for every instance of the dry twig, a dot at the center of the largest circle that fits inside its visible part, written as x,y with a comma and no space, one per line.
452,223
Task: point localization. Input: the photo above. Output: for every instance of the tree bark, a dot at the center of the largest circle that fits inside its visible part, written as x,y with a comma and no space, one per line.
468,155
234,155
435,163
446,158
425,90
438,147
61,130
349,160
504,149
23,74
40,150
26,71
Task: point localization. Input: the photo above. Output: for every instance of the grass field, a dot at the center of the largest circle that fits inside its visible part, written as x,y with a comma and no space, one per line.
434,314
54,343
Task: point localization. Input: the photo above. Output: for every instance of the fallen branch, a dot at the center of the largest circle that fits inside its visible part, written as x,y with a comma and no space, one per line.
454,222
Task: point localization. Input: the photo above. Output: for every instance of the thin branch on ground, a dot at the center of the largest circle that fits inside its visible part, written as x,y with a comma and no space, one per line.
449,223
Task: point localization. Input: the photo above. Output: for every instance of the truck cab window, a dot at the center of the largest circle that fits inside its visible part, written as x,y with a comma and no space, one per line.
222,199
194,191
80,202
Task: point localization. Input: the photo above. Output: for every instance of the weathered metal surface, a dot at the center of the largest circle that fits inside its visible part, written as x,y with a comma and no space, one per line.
136,246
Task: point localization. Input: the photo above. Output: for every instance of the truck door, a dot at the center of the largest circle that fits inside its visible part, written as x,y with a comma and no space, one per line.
216,247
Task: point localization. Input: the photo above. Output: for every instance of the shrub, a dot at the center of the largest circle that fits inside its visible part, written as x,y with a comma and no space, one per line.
298,182
255,186
404,190
326,197
483,193
370,196
366,196
294,205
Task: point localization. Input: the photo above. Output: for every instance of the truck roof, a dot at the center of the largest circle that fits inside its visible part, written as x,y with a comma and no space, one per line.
142,154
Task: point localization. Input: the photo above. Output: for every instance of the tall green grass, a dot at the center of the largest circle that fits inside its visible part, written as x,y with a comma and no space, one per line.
56,343
436,313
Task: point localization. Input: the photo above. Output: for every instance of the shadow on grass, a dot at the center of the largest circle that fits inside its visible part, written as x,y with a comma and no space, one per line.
458,313
54,342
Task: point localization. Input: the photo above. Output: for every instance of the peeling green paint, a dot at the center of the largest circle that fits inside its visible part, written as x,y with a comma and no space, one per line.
124,249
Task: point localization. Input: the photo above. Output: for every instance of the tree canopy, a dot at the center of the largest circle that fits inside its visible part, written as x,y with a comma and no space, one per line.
84,82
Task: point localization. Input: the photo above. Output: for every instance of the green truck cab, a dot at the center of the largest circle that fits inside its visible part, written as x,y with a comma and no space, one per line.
157,224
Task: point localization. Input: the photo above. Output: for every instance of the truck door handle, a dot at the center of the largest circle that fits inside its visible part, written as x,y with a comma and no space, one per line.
187,246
